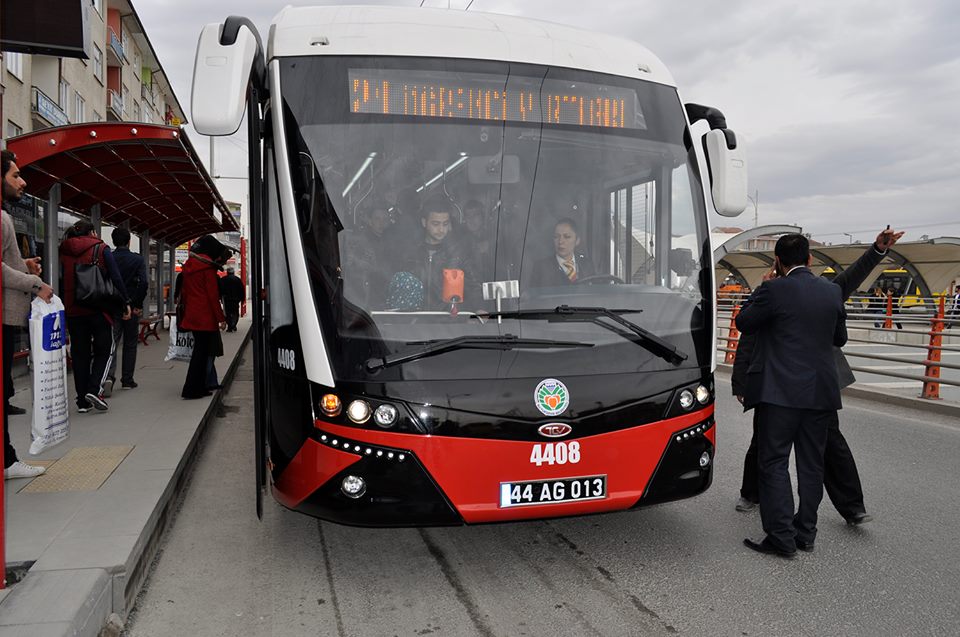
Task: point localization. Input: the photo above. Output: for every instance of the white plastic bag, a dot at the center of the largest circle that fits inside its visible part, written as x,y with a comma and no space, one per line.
181,343
48,339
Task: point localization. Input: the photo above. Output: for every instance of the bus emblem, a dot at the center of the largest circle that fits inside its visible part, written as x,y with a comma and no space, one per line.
551,397
554,430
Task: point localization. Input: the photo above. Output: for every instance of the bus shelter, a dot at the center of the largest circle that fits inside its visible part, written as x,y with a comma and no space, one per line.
144,177
933,264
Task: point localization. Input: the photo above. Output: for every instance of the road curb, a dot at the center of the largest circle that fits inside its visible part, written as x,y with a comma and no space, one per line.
941,407
79,602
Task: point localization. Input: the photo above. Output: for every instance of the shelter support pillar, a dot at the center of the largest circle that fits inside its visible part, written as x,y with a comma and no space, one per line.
95,218
158,278
51,239
172,265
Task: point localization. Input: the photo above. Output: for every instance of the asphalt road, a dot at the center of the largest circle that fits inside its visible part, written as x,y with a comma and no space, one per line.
675,568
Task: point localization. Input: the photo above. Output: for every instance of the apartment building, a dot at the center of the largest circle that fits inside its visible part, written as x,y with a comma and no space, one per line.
122,81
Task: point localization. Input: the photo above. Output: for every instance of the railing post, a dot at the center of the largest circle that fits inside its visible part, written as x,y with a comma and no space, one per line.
733,337
931,388
888,322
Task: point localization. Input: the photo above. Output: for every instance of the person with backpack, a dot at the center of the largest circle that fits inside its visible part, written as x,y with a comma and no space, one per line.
90,326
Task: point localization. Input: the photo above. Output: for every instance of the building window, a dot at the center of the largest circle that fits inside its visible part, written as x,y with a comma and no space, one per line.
98,63
64,94
13,130
79,109
136,111
15,64
98,5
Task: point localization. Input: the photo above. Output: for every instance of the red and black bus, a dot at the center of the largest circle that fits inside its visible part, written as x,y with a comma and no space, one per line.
485,273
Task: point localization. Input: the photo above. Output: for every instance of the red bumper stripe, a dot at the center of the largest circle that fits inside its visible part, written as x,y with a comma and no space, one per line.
469,470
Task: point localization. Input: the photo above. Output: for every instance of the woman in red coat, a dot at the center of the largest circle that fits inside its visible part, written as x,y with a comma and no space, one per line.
201,311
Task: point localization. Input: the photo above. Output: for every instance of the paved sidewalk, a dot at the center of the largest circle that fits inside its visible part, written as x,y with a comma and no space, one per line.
88,529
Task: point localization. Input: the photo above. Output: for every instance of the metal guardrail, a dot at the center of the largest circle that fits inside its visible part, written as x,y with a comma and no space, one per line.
935,314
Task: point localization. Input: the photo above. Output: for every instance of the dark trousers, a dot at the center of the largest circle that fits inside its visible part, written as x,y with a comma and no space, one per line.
91,346
127,331
779,429
840,476
196,383
9,334
232,311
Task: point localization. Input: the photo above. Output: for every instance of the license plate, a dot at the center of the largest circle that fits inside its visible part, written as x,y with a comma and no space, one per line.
516,494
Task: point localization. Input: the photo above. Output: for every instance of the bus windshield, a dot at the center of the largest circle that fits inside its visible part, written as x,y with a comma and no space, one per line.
443,199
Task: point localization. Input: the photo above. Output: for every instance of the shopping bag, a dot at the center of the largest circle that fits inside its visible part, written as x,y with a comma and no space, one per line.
181,343
48,340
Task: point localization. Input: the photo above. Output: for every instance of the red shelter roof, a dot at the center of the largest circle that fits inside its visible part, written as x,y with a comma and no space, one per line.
146,174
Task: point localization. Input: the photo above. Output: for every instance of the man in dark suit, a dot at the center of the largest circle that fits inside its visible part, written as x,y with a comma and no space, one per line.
841,478
793,384
566,265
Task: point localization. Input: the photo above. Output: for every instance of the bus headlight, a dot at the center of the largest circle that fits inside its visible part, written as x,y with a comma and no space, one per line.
353,487
703,395
686,399
359,411
330,405
385,416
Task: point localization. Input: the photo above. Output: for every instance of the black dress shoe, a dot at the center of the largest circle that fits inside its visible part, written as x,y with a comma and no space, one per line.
13,410
859,518
769,549
806,547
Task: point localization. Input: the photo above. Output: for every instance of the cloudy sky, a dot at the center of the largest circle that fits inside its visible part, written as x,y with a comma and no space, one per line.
848,109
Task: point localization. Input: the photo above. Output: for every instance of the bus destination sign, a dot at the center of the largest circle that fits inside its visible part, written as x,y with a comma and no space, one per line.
487,97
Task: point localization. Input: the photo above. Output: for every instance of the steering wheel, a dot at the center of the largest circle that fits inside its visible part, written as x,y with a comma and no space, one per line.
601,278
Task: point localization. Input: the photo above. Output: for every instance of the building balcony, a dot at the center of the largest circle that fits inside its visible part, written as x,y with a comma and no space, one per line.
115,53
114,106
146,94
46,110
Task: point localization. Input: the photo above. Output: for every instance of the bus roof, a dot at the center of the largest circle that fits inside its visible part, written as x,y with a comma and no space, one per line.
443,33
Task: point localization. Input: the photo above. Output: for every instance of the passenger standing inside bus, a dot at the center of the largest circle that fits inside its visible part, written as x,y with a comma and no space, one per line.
567,265
89,325
435,252
798,318
201,311
841,477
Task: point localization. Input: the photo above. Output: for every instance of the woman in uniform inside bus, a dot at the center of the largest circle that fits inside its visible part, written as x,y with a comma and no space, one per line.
566,265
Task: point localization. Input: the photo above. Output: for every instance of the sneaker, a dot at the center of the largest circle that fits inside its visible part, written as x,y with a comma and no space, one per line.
22,470
13,410
97,401
744,505
108,387
83,406
129,384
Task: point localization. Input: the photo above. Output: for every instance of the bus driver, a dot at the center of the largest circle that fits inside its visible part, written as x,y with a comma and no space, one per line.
566,265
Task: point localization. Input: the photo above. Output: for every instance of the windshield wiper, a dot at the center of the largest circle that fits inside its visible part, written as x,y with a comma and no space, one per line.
505,342
635,333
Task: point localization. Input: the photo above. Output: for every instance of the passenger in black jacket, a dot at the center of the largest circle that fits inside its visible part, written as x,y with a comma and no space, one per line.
437,250
792,381
841,478
133,271
232,294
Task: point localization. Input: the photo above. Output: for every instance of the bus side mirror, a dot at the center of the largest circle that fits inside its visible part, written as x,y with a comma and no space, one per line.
221,74
728,171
